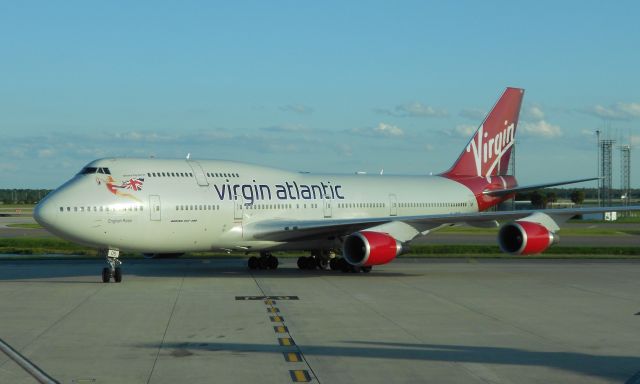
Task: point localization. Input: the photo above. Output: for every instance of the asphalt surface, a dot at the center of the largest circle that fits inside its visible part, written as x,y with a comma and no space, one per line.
203,321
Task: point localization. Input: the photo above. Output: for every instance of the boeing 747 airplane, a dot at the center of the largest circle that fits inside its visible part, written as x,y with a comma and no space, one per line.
170,206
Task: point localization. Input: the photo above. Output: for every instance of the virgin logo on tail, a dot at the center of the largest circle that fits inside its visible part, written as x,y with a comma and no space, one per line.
489,150
492,149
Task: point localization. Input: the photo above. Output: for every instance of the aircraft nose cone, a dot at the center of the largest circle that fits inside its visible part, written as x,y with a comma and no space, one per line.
44,213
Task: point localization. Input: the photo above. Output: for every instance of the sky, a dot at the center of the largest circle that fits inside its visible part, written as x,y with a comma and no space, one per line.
329,86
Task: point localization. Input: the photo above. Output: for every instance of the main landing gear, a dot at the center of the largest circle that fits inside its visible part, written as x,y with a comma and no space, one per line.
113,270
265,261
323,260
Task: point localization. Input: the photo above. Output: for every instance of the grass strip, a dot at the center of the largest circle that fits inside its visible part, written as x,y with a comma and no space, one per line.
44,246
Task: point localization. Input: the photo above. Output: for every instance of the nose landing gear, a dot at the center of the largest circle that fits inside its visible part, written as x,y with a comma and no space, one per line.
113,270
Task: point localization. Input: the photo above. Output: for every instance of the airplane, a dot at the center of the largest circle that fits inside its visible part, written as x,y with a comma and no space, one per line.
163,207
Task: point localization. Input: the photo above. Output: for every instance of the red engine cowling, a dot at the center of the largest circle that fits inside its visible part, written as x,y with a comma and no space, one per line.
367,248
525,238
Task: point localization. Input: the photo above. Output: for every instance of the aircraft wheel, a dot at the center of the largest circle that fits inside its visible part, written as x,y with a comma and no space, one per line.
322,263
106,275
344,266
253,263
333,264
366,269
302,262
117,275
355,269
272,262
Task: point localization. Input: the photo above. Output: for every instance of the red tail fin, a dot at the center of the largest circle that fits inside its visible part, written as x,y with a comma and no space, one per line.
489,150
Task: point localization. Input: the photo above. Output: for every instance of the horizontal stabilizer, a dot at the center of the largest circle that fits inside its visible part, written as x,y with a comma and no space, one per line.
508,191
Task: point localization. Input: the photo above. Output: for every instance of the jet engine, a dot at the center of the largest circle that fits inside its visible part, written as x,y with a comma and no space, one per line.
367,248
525,238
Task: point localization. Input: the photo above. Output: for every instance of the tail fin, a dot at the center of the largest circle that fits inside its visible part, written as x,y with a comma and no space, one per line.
489,150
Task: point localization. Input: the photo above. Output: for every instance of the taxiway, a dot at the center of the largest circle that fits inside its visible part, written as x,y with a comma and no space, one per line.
202,321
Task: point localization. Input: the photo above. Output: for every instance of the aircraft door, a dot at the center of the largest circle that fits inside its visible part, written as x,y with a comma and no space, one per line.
393,205
327,210
154,207
238,208
198,173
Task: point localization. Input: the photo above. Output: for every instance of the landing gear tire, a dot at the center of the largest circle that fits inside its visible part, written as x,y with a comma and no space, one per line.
253,263
302,262
272,262
322,263
365,269
113,262
334,264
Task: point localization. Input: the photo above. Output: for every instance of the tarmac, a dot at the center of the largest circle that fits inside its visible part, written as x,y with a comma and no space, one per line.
203,321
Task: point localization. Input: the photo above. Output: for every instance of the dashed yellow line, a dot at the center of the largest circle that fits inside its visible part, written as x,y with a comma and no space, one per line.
273,309
286,341
300,376
292,357
270,302
276,319
280,329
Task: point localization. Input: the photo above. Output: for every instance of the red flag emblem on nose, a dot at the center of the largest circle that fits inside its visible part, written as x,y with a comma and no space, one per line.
134,184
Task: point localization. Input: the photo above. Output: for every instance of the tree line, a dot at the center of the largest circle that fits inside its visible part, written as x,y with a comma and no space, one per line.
22,196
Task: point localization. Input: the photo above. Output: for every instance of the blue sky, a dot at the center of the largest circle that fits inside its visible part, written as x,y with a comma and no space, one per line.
318,86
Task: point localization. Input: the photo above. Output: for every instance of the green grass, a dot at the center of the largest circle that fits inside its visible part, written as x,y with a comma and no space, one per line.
44,246
25,226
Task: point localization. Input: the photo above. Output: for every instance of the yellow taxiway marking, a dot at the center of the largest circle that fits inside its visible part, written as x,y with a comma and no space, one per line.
300,376
292,357
273,310
286,341
276,319
280,329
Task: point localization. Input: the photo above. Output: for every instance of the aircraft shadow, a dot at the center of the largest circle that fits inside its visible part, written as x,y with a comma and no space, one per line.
609,367
46,270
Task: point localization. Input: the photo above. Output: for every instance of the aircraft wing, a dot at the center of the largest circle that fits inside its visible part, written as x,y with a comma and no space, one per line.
525,188
299,230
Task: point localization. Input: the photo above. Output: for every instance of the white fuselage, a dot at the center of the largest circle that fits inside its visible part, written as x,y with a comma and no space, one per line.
171,206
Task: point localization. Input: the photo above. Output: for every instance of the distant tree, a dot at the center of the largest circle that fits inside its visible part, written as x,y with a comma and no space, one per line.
577,197
538,199
552,197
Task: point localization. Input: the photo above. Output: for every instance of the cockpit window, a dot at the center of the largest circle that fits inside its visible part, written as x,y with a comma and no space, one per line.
88,170
91,170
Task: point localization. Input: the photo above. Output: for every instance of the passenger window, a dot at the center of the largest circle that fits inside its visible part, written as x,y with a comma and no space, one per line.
61,209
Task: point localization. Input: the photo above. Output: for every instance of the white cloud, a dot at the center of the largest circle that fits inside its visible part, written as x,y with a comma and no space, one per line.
382,129
465,130
540,129
388,130
618,111
415,109
46,152
473,114
286,128
534,113
297,108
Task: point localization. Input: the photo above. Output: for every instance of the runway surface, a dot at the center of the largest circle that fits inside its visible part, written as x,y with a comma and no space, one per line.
203,321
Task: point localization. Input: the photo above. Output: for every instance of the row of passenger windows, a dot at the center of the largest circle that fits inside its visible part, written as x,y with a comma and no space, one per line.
431,205
201,207
277,206
170,174
221,174
361,205
189,174
119,208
